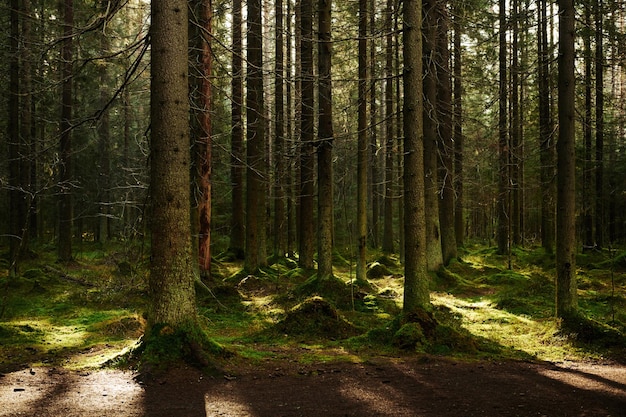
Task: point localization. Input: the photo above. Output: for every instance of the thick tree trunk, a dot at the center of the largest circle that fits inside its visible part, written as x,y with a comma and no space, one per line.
566,299
171,280
416,292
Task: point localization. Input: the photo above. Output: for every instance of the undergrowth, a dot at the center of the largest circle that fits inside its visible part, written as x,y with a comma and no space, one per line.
87,313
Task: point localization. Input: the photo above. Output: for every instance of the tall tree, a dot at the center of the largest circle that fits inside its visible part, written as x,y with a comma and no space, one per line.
64,247
516,134
280,214
566,299
434,253
416,293
255,134
171,280
325,144
459,217
587,196
546,139
204,154
446,141
362,145
307,162
503,137
388,235
237,236
600,197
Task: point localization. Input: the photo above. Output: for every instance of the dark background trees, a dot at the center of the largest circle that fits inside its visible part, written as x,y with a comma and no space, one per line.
75,127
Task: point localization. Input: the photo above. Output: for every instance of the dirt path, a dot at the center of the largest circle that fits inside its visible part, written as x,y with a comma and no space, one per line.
385,387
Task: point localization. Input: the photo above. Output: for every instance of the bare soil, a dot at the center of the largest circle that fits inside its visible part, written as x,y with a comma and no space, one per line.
413,386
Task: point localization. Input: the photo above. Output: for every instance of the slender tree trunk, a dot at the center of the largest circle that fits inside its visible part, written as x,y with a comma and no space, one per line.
566,299
587,197
290,139
434,254
280,214
390,152
459,217
503,140
516,136
446,145
204,141
171,280
64,248
255,123
325,144
374,171
546,138
237,236
104,135
362,157
307,162
14,140
600,197
416,293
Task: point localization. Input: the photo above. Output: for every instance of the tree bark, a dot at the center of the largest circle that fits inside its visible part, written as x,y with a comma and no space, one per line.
362,150
434,254
64,249
416,293
237,163
445,142
502,203
390,148
255,122
566,299
325,145
171,283
459,217
280,214
600,197
307,162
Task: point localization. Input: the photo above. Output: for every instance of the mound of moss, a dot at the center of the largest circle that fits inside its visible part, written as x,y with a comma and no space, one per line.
317,318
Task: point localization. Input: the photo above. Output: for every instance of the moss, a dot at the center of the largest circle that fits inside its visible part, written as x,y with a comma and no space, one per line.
164,346
410,336
376,270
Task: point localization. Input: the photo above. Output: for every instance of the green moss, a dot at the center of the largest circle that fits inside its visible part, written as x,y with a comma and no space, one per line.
164,346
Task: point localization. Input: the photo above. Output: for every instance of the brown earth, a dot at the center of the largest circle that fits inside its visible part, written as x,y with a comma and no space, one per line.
424,386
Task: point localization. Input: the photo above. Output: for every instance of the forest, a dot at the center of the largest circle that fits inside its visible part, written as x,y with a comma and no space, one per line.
216,183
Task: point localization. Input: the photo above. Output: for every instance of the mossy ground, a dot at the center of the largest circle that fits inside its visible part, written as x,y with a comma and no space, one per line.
85,314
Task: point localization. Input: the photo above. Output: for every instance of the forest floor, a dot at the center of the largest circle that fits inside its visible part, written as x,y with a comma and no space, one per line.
384,386
497,350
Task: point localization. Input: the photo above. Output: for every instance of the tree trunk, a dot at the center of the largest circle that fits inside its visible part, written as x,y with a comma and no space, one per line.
459,217
416,293
600,197
587,197
503,213
325,145
516,136
566,299
390,152
171,280
362,159
280,214
204,141
64,248
434,254
546,142
307,162
237,163
255,123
